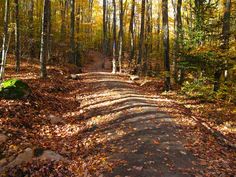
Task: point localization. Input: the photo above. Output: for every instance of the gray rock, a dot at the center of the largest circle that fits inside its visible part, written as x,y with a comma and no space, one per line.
134,78
74,76
50,155
25,156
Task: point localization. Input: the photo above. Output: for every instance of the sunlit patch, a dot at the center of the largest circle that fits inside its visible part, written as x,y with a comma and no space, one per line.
60,131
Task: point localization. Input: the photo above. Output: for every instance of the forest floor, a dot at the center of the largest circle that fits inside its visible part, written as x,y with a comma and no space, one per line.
103,124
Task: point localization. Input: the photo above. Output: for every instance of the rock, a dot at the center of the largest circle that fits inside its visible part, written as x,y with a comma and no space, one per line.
134,78
56,120
50,155
3,138
25,156
74,76
28,156
14,89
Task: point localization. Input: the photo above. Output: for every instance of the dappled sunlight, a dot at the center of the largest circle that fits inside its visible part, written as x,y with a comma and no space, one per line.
62,131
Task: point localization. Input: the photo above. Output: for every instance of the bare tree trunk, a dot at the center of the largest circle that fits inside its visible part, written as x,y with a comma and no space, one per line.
5,39
226,24
225,45
131,30
158,29
49,32
31,29
72,32
165,29
114,38
109,30
147,36
121,35
90,19
104,31
44,40
63,20
17,36
141,38
226,30
178,35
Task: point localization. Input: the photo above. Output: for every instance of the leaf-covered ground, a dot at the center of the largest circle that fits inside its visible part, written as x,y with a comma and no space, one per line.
106,125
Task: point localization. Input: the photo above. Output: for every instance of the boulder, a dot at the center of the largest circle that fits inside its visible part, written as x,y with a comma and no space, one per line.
134,78
73,76
50,155
25,156
28,155
14,89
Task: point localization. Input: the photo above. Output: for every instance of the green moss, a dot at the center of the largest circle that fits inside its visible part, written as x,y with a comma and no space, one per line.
14,89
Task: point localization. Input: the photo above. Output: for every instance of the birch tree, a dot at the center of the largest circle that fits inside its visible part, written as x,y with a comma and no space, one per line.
5,39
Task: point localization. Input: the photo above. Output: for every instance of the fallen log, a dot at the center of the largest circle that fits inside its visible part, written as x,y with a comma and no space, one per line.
221,139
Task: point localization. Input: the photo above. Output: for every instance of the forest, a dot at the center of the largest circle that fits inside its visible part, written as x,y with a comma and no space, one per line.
117,88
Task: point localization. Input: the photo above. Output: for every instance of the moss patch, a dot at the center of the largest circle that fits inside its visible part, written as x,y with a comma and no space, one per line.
14,89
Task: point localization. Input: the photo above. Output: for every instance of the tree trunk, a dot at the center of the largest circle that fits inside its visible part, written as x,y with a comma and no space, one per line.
109,31
131,30
226,24
104,31
5,39
44,39
49,40
226,36
72,32
148,35
178,37
141,38
165,29
90,19
158,30
63,20
121,35
114,38
217,76
17,36
31,29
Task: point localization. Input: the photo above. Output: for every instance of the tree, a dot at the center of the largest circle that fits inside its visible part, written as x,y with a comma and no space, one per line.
63,18
226,24
131,30
165,29
44,39
5,39
17,36
104,30
178,34
226,28
31,28
49,40
72,32
121,35
148,34
114,38
141,36
225,43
